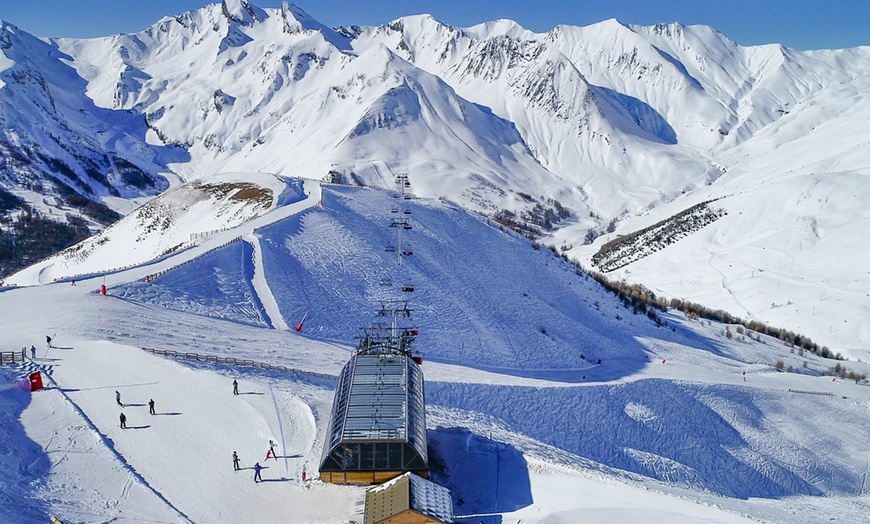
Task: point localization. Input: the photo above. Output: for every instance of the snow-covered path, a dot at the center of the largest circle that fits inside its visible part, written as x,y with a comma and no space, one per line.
261,287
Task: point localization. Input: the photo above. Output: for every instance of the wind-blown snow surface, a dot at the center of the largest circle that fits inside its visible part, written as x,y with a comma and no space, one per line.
665,429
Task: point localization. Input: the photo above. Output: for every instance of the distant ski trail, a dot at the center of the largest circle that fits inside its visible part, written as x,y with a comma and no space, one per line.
264,299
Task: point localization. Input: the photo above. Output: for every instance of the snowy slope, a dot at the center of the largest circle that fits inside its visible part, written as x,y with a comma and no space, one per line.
667,421
56,141
612,120
624,125
176,220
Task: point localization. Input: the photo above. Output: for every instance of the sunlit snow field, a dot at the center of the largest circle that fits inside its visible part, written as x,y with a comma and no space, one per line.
525,424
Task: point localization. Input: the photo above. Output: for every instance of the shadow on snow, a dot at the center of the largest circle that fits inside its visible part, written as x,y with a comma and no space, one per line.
484,476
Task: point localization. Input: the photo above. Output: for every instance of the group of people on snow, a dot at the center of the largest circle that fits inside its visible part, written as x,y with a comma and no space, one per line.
123,417
269,452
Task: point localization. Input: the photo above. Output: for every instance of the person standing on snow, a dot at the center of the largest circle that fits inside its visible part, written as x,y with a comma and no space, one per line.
32,352
151,407
48,340
118,398
123,421
272,451
257,468
235,387
236,461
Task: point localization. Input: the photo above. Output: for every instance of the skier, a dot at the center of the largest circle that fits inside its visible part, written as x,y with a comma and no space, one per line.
48,340
73,281
257,468
236,461
123,421
272,451
118,398
151,407
32,352
744,376
235,387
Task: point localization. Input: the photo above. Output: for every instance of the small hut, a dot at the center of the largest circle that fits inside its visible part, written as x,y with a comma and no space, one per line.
408,499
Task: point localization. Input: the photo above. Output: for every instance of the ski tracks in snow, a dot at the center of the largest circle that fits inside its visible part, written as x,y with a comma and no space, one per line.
281,432
295,440
867,459
109,445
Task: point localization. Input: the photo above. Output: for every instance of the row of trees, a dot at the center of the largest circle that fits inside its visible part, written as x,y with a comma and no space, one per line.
31,237
643,301
626,249
531,222
637,294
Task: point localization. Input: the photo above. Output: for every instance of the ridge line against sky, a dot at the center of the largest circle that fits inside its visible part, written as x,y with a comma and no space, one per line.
798,24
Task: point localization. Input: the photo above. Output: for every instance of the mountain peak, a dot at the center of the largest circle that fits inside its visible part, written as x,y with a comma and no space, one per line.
296,20
242,12
502,27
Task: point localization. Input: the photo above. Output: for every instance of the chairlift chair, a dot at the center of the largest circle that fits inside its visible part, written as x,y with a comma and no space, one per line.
408,289
390,249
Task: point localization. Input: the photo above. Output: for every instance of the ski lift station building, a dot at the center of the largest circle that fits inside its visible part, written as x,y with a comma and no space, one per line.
377,430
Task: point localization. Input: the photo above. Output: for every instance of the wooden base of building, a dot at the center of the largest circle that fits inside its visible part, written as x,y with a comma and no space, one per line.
364,478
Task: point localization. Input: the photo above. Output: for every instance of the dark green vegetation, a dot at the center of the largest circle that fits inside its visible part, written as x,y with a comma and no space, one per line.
31,237
625,249
95,210
532,222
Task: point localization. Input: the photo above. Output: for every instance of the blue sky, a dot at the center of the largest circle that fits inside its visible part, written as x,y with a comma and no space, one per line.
800,24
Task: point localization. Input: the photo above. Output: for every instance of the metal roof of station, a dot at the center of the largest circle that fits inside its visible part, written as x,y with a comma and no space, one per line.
379,397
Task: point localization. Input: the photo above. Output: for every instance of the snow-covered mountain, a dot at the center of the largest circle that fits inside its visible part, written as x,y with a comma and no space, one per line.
622,125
